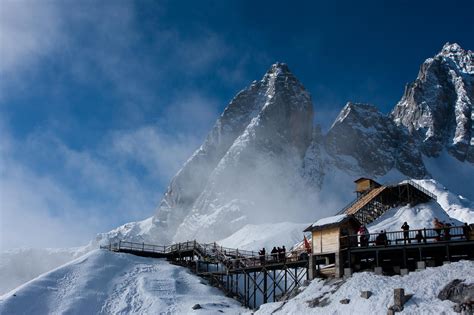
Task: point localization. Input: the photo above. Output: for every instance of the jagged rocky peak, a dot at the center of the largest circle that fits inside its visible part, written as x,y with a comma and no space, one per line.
462,58
437,108
263,160
272,114
361,132
288,112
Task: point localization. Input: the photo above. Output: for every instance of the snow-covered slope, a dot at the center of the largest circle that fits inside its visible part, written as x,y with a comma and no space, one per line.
256,236
103,282
425,285
418,217
456,206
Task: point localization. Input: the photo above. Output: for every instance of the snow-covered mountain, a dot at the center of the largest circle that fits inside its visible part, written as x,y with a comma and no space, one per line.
264,161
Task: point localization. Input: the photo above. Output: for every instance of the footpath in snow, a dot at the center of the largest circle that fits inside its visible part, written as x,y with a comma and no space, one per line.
103,282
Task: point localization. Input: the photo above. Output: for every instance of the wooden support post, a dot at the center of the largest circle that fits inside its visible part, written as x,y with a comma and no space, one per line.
255,290
236,283
296,277
274,285
286,280
265,297
246,292
448,256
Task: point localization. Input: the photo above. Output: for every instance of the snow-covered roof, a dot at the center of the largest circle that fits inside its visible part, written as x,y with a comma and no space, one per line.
328,221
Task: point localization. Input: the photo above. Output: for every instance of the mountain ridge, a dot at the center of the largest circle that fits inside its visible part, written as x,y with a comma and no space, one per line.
264,160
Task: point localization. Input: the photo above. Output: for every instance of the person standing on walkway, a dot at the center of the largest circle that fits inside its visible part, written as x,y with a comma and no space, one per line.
406,234
274,253
466,230
437,226
262,256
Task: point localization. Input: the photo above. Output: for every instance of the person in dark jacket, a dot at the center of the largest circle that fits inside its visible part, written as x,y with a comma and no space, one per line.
447,231
283,254
466,230
419,237
274,253
437,226
406,228
262,256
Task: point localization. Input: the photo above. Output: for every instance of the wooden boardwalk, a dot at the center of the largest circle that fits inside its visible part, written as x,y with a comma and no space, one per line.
244,275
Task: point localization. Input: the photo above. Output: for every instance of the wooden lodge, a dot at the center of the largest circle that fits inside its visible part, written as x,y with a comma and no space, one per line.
327,234
335,242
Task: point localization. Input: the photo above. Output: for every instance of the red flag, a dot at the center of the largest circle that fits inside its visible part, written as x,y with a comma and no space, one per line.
307,245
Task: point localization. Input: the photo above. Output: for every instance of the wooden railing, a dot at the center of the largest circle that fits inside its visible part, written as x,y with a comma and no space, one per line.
230,257
446,234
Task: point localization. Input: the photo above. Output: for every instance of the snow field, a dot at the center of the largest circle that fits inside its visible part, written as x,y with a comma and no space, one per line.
103,282
425,285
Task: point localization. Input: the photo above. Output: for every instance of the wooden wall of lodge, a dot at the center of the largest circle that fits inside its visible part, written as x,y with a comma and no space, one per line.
326,240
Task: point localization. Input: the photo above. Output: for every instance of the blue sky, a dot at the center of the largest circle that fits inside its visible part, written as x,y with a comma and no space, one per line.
102,101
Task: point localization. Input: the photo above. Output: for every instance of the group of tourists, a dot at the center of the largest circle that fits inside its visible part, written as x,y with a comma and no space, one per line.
278,254
442,230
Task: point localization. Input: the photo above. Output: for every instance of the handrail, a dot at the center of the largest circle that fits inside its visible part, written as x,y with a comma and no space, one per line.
443,234
229,257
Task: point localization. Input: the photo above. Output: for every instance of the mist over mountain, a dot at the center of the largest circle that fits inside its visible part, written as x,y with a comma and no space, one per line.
264,160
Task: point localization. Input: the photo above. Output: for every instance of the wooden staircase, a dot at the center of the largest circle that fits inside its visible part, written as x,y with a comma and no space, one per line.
364,200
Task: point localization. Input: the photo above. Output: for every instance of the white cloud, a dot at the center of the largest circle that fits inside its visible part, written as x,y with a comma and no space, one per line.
54,195
28,31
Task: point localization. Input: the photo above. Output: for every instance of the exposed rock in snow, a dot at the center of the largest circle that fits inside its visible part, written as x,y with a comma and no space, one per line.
103,282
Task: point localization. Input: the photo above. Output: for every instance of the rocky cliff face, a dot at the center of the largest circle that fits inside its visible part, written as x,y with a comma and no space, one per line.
363,133
437,108
190,181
